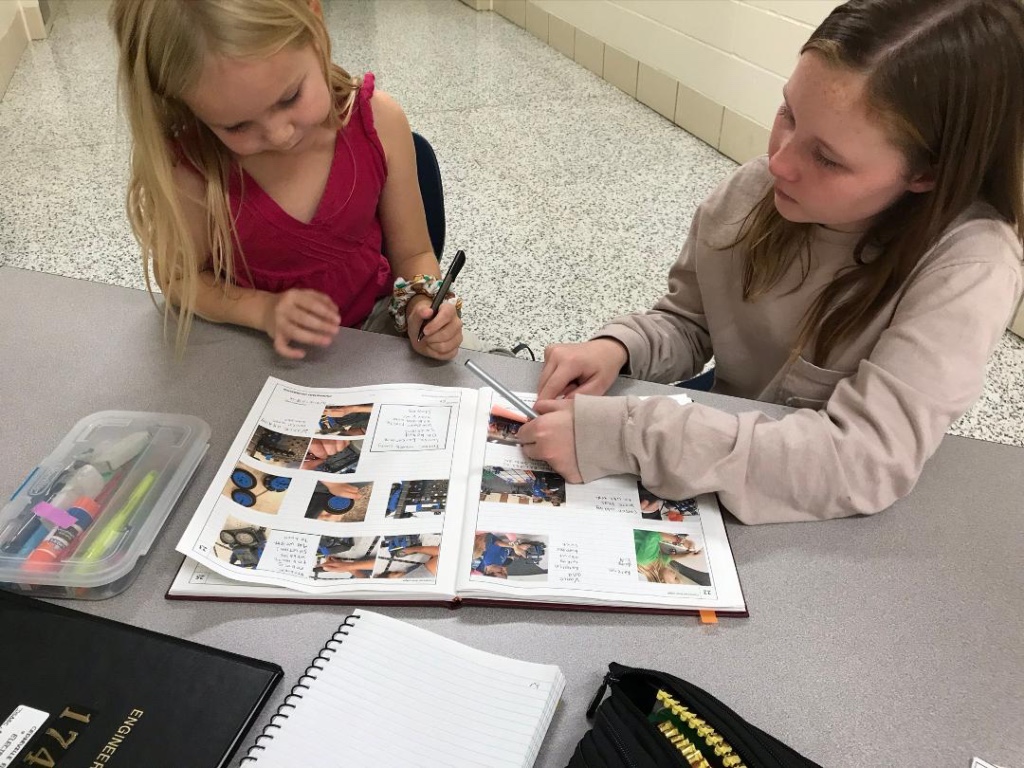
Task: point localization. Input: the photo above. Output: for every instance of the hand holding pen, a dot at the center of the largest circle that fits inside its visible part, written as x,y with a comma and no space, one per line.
551,437
443,338
550,433
449,277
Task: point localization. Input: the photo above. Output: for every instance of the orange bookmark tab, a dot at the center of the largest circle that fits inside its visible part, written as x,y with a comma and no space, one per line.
708,617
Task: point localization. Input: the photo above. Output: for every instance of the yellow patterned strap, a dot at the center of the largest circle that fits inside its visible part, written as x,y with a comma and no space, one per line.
697,727
686,747
422,285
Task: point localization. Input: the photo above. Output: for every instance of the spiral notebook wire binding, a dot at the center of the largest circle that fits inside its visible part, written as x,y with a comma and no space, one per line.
295,695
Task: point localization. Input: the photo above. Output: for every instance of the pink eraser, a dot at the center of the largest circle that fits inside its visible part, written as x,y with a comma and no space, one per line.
55,515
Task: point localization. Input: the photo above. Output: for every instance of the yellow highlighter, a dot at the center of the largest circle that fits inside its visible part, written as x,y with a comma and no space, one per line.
117,524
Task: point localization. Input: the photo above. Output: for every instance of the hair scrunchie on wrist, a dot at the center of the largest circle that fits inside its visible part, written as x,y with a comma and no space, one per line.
421,285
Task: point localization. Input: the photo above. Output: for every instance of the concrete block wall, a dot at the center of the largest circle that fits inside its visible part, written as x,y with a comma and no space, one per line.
714,67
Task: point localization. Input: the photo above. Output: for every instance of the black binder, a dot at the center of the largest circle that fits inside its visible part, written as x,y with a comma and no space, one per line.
77,690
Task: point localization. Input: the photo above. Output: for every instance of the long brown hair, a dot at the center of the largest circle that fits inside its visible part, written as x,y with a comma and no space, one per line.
163,45
946,78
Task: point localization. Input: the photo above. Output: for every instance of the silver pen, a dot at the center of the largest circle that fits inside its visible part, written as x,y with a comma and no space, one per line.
523,408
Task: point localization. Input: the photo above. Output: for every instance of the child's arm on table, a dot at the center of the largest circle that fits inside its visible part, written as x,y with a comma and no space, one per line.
667,343
405,231
860,453
297,315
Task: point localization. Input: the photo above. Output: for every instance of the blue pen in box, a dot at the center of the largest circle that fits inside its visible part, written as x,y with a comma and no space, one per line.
83,520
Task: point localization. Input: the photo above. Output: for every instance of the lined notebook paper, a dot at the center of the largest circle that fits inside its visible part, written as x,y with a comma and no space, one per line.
386,693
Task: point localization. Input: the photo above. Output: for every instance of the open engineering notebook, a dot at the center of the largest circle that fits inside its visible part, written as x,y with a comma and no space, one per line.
419,494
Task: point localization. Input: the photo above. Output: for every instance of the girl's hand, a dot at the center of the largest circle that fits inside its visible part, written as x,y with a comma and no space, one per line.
552,437
589,368
441,336
300,316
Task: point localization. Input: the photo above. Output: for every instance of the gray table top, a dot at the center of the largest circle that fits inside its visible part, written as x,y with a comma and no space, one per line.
902,632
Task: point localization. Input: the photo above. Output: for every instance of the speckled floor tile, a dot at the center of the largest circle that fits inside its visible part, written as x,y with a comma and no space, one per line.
60,114
999,413
63,93
570,198
63,211
493,63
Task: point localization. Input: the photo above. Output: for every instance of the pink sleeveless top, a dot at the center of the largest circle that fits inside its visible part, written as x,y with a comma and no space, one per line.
339,251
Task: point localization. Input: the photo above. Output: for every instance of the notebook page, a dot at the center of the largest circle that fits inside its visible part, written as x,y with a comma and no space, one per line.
332,491
531,536
395,694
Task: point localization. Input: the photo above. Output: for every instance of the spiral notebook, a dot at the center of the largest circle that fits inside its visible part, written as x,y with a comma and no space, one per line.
386,693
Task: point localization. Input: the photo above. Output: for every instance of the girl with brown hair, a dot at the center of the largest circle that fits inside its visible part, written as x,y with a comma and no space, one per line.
862,272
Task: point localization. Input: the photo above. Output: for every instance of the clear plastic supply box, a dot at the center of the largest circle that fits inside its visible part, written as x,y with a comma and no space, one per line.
82,522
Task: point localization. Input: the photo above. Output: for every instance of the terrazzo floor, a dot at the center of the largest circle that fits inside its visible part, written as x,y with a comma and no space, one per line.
570,198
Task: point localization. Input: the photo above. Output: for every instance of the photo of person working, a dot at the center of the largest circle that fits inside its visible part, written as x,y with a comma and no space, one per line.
509,555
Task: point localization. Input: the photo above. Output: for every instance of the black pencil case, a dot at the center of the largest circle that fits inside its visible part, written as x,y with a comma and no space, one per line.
655,720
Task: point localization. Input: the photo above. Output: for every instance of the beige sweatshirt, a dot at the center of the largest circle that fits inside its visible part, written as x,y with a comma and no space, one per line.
862,431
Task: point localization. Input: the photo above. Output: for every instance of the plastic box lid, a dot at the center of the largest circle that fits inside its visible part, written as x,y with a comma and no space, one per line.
91,509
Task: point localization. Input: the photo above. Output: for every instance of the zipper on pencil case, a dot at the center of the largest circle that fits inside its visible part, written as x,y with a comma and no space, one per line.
722,749
730,736
686,748
617,739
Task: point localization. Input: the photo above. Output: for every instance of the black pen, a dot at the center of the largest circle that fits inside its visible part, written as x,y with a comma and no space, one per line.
453,271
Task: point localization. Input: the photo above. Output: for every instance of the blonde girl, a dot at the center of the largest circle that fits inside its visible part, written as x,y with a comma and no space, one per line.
266,181
862,273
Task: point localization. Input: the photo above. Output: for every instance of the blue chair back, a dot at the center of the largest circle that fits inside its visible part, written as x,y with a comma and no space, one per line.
432,192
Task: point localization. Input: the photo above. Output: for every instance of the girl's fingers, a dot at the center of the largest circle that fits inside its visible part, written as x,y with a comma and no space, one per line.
550,406
549,368
589,387
282,348
443,352
561,376
449,334
446,316
303,336
319,304
442,335
311,321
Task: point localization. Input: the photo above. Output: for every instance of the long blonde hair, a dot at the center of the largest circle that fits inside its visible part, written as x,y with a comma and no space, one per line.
654,572
163,46
945,79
